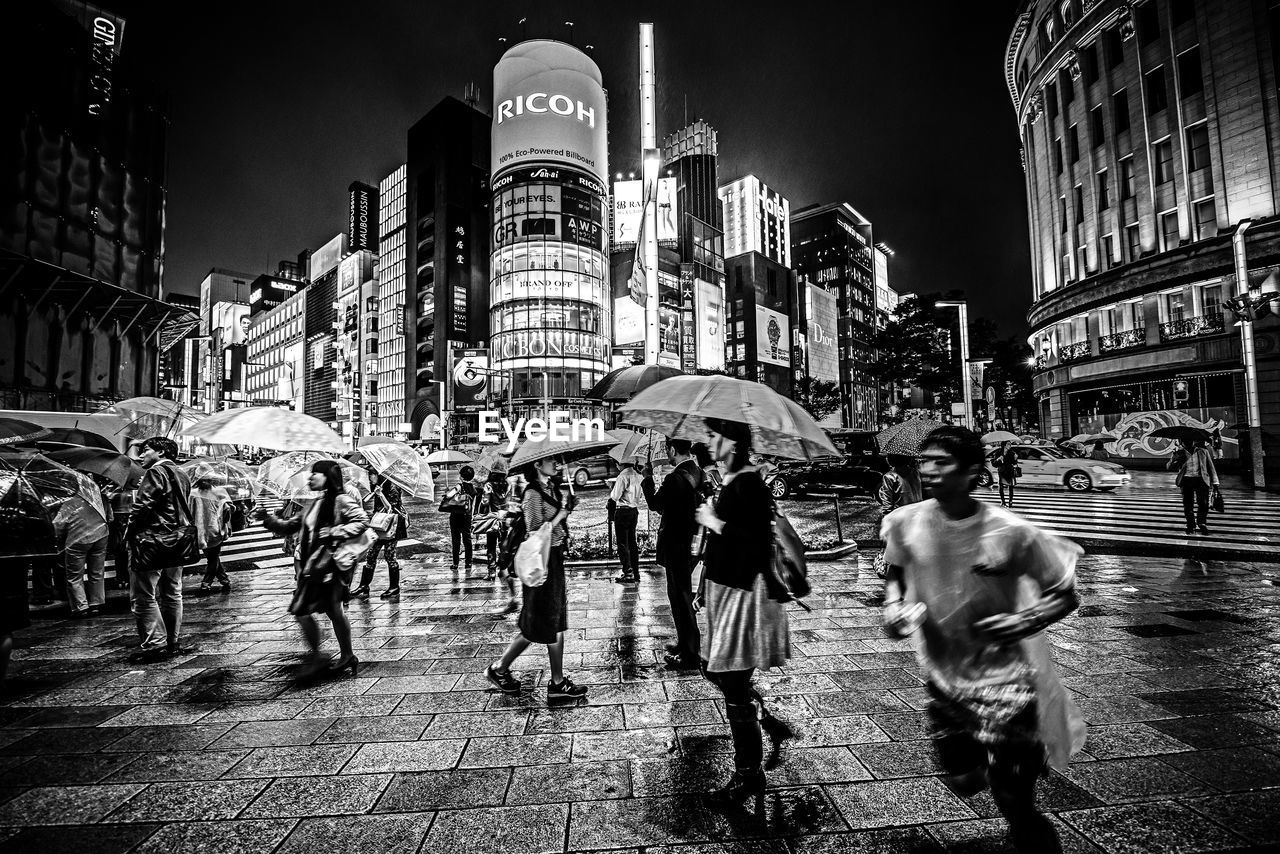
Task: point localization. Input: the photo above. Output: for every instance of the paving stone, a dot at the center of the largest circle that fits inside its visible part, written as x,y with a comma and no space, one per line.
681,713
438,703
1156,828
638,822
780,813
147,739
359,730
1054,792
899,758
392,756
1205,731
804,766
64,770
66,804
456,788
178,765
292,761
569,783
889,803
473,724
991,836
205,800
65,716
1229,769
76,839
626,744
506,830
1121,781
299,797
1251,815
545,721
62,740
386,834
273,733
907,840
217,837
1122,740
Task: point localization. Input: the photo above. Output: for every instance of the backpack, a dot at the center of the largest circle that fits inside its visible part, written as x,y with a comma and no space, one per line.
787,575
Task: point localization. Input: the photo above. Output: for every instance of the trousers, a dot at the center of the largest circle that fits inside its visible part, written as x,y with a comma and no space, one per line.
624,528
460,535
90,558
213,565
1195,501
156,596
680,594
388,548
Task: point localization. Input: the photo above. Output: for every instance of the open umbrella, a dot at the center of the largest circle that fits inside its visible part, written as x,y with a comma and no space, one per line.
232,475
1181,433
14,431
995,437
1092,439
492,459
447,456
905,438
539,449
678,407
403,466
624,383
366,441
112,465
145,417
639,445
38,503
64,437
275,472
297,486
267,427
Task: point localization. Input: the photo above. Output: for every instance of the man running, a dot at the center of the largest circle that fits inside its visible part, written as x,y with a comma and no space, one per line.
980,584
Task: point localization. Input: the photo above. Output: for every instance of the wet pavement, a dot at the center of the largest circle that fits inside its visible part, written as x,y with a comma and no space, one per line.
1176,665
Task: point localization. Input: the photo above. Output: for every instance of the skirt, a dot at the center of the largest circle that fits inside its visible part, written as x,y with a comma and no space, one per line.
745,629
545,612
313,595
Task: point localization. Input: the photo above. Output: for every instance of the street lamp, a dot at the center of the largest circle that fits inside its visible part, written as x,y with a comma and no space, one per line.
964,355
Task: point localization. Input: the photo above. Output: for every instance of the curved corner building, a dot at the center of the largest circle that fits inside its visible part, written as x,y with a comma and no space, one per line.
550,306
1150,134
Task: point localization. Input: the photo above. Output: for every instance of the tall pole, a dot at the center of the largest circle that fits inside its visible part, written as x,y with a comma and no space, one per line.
649,172
965,395
1253,411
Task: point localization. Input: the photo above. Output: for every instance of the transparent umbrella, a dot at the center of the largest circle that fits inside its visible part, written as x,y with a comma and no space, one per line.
145,417
274,474
267,427
44,505
232,475
403,466
297,486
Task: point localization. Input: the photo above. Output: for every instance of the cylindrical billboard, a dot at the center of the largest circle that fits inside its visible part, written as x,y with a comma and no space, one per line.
550,304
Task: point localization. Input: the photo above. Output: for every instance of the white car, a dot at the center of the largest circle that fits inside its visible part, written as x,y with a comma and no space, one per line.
1046,465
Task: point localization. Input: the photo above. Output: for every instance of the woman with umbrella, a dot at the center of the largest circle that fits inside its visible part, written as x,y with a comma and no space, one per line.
211,512
544,615
1007,472
388,498
325,524
746,629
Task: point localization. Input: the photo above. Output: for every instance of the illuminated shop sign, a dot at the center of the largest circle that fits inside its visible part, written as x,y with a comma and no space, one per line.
542,343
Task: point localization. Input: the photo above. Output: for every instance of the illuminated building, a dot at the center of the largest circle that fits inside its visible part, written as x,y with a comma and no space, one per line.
757,218
391,274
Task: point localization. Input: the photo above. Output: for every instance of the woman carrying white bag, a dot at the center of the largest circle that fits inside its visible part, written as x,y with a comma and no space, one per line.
540,564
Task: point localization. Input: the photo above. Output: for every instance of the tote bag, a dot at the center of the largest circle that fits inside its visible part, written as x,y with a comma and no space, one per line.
533,556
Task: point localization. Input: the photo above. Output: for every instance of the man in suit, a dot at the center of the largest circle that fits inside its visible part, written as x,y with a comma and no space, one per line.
677,500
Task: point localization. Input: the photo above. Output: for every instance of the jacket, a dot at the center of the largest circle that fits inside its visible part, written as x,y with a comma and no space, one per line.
156,503
349,522
677,500
387,497
740,552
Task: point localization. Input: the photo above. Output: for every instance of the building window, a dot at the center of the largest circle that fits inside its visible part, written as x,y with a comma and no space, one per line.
1168,230
1120,110
1107,250
1068,88
1097,134
1082,262
1162,161
1181,12
1206,219
1089,64
1067,8
1148,23
1127,182
1190,76
1057,155
1048,33
1157,92
1062,214
1198,147
1115,47
1051,100
1077,200
1104,191
1211,299
1173,305
1073,144
1133,242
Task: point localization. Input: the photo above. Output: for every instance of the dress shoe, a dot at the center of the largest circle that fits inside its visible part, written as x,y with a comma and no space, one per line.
343,663
742,785
679,662
361,592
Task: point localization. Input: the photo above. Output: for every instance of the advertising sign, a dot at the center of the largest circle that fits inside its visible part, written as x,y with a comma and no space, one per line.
628,321
668,336
362,207
327,257
624,357
976,372
773,337
823,320
548,107
470,379
458,266
628,210
232,318
540,343
708,312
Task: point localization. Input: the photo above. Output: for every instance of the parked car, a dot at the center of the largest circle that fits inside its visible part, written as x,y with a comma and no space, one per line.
857,471
1042,464
597,468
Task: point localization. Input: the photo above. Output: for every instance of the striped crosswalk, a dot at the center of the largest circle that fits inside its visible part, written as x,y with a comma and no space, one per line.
1249,524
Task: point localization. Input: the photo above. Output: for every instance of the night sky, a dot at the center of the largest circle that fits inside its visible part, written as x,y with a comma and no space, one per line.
898,108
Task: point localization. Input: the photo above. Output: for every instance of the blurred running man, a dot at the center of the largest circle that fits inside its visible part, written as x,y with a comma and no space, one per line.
980,584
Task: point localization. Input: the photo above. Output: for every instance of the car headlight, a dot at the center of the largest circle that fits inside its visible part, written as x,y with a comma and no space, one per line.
1103,470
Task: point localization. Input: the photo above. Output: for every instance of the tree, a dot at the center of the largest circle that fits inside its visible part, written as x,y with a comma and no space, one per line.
819,398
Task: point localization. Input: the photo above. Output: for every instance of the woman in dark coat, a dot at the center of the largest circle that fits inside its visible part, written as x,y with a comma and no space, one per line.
327,521
746,629
544,617
387,498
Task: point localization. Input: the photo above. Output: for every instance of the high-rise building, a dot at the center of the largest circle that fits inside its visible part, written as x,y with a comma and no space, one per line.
757,218
1150,143
321,326
762,310
224,301
81,210
446,247
275,366
391,275
690,155
551,312
831,245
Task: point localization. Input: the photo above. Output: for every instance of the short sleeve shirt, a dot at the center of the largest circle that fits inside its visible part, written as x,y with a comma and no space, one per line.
965,570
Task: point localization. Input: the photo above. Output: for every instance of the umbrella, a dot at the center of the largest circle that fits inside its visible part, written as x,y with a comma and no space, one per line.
112,465
403,466
539,449
275,472
39,500
145,417
995,437
232,475
267,427
297,486
678,406
1092,439
623,383
447,456
77,436
905,438
640,445
492,459
14,431
1181,432
366,441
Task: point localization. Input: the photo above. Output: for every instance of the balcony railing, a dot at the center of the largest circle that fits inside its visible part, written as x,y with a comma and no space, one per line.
1042,361
1126,340
1191,327
1074,352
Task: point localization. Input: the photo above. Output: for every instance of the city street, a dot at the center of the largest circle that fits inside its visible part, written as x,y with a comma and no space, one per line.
1174,663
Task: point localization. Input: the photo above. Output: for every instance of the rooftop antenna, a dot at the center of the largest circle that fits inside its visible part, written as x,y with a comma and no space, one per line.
471,95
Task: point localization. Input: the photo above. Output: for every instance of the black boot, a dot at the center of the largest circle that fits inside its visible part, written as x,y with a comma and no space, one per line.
748,752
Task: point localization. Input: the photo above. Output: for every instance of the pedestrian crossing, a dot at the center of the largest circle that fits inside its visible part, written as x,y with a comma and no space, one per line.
1249,524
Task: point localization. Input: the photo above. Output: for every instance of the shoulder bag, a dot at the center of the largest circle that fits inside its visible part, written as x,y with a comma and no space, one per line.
533,556
176,546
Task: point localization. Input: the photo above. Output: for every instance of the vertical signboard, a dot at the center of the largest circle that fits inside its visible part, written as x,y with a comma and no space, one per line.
708,311
470,379
669,336
823,322
362,204
628,211
773,337
688,326
457,256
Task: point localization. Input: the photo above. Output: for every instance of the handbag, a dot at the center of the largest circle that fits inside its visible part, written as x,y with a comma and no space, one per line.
1217,505
786,574
350,551
533,556
158,549
236,518
384,523
455,501
486,523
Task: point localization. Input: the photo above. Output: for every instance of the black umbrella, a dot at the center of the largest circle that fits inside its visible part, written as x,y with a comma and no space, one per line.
78,436
1181,433
32,489
15,431
112,465
623,383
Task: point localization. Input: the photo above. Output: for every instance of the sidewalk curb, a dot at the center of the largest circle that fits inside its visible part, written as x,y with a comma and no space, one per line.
1174,550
